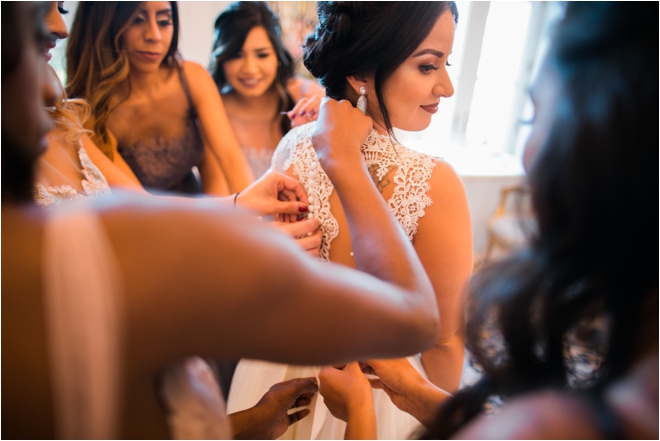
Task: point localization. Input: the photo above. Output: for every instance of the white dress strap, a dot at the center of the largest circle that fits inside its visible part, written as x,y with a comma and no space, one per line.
93,183
82,290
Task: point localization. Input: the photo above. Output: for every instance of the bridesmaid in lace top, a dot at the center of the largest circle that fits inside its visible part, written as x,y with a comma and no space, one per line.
255,74
164,116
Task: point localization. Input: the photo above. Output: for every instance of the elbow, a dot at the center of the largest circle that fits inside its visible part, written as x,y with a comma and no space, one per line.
427,328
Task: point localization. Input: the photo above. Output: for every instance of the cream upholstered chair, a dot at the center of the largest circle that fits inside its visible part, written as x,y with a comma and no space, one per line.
512,223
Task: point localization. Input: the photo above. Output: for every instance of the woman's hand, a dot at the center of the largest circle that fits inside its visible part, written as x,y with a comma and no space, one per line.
306,110
270,417
275,193
347,394
340,131
306,233
407,389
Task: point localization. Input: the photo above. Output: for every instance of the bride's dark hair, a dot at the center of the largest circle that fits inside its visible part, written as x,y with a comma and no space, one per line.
367,38
594,191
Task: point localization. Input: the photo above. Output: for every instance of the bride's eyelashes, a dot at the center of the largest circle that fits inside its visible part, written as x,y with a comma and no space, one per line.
427,68
61,9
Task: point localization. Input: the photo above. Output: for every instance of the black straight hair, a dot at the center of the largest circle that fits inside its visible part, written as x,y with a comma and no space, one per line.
594,193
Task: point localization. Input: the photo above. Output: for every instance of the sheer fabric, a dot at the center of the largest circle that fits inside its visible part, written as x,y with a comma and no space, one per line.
82,290
257,140
65,173
408,201
194,403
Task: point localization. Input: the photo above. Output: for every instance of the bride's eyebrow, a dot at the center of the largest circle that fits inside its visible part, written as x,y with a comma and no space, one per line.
429,51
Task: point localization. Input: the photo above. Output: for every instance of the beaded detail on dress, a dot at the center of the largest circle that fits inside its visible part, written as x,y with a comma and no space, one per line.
408,200
94,184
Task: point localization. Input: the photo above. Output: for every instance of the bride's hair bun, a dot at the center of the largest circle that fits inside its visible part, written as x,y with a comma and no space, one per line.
369,39
332,34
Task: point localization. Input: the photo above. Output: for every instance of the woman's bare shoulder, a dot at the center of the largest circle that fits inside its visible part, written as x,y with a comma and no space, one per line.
539,415
194,69
199,80
445,182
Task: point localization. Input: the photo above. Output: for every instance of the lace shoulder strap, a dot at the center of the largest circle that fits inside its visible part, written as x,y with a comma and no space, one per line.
296,150
413,171
81,300
94,183
409,198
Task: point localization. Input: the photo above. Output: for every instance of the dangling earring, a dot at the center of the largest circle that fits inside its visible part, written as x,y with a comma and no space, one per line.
362,101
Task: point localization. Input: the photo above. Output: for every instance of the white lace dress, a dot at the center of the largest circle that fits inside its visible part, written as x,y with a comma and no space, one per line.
409,199
94,184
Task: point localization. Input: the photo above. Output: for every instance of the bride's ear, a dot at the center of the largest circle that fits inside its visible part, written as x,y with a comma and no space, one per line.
357,81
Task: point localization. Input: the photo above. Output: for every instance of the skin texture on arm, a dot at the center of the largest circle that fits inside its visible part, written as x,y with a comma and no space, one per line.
407,389
337,137
231,290
445,248
213,176
218,134
541,415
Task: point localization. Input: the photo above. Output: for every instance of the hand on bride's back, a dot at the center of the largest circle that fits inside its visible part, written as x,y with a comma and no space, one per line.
340,131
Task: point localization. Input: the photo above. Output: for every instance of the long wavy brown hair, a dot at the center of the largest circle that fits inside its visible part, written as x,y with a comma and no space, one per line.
96,63
69,114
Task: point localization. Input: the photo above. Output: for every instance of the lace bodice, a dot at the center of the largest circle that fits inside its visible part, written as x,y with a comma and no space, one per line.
408,200
94,184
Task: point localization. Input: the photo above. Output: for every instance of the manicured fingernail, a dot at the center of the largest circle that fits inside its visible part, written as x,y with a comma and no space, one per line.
303,113
312,113
293,116
303,209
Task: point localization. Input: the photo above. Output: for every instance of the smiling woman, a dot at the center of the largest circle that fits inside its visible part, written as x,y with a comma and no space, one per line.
160,114
394,56
255,74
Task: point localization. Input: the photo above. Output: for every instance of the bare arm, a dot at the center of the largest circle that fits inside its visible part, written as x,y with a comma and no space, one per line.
380,245
407,389
218,134
239,275
216,275
444,245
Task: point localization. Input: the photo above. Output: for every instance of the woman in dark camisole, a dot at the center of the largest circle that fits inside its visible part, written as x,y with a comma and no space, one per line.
167,164
162,115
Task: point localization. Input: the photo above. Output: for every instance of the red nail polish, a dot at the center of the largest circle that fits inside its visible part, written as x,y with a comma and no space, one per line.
303,209
303,113
293,116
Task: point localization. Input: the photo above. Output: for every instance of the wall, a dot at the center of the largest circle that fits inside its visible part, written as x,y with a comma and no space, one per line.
196,36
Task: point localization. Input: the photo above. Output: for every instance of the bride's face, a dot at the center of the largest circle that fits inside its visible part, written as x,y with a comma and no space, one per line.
412,93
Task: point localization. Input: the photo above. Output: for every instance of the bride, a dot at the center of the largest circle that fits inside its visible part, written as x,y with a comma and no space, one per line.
390,61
